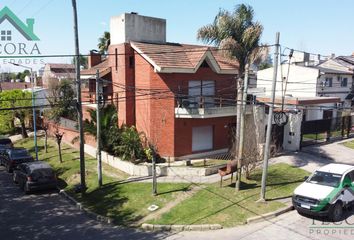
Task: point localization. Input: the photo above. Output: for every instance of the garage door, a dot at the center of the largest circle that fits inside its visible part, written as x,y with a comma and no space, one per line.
202,138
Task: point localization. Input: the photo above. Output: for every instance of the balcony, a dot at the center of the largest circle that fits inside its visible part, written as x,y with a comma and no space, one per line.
206,107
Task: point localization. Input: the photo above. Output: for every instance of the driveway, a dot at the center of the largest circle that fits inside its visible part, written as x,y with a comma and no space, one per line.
313,157
49,216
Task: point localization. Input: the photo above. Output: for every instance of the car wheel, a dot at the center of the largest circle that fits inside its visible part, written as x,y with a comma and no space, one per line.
8,169
336,212
26,189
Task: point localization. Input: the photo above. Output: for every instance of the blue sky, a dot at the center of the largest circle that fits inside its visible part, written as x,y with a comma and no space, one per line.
318,26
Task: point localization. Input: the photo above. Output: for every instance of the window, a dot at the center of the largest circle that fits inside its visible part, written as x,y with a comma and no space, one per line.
344,82
328,82
5,35
201,93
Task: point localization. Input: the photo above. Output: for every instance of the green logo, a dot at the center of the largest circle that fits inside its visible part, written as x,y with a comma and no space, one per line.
25,29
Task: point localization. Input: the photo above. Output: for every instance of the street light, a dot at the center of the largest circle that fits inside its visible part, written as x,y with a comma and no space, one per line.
33,107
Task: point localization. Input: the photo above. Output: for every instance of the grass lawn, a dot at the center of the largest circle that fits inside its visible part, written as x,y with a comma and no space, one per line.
228,208
124,202
349,144
209,163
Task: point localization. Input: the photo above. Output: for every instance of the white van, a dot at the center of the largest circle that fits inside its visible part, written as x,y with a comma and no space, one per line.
326,192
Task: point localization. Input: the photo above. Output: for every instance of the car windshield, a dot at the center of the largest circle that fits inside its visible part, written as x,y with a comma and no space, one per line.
42,173
19,153
5,141
325,178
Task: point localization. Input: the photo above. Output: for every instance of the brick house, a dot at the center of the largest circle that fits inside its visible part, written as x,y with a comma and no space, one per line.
181,96
57,72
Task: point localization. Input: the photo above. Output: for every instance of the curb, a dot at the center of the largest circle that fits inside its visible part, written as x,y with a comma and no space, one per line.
180,228
270,215
89,213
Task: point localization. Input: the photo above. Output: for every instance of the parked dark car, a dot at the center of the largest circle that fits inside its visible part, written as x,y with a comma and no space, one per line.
37,175
15,156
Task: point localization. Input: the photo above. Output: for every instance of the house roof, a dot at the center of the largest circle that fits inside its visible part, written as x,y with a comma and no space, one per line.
25,30
334,71
183,58
102,67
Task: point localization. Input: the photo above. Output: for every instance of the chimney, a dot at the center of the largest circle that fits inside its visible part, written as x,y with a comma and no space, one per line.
134,27
333,55
94,59
30,23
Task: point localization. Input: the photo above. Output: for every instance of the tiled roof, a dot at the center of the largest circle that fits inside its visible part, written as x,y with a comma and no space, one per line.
103,68
61,66
173,57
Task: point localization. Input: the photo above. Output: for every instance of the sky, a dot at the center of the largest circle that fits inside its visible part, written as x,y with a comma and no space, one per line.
316,26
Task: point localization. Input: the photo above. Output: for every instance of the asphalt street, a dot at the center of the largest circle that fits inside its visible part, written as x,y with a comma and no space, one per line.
46,215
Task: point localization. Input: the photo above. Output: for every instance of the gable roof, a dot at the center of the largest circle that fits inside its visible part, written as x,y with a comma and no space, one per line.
25,30
183,58
102,67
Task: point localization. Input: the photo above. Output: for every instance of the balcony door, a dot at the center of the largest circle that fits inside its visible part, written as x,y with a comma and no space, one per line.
201,89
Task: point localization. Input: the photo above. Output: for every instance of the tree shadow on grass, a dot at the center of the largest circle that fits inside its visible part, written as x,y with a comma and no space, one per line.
183,189
108,201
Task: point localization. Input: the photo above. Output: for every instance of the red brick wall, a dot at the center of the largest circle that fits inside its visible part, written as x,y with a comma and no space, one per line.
154,114
69,135
183,136
123,75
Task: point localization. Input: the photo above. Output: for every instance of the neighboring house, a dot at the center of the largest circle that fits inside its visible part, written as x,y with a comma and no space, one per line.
322,80
57,72
88,79
321,93
181,96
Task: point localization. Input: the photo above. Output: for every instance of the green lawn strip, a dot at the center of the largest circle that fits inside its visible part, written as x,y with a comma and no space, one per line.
229,208
349,144
124,202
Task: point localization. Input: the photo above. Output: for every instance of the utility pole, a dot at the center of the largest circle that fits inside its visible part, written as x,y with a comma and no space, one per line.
34,116
239,92
154,180
98,126
78,105
269,124
244,90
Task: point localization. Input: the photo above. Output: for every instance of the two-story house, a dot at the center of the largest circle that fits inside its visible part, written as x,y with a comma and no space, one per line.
181,96
57,72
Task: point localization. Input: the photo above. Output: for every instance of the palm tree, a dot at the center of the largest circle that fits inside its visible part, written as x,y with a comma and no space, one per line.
104,42
239,36
110,133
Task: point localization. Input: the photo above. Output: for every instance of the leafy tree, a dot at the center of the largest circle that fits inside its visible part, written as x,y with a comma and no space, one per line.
237,32
20,103
22,75
110,132
104,42
61,99
83,61
130,147
239,36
